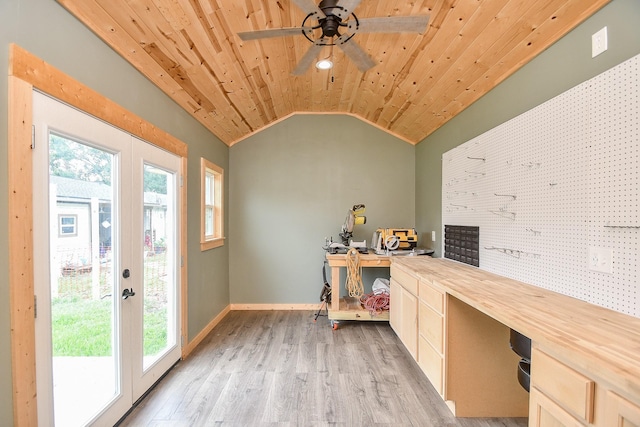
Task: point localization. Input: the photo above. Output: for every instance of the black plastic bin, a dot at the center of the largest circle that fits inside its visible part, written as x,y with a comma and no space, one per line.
524,374
521,345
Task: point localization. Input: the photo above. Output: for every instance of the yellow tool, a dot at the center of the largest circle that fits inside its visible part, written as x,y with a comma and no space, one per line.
354,216
395,239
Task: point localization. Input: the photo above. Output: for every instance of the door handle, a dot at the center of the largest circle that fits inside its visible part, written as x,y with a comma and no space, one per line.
126,293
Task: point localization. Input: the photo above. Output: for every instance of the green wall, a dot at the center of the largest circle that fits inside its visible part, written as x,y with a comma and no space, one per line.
47,30
292,185
564,65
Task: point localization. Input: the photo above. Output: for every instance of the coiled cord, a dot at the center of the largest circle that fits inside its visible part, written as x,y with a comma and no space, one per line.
375,303
354,284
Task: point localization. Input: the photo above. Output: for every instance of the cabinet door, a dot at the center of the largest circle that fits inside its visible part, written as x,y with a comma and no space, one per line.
620,412
544,412
409,321
432,364
395,299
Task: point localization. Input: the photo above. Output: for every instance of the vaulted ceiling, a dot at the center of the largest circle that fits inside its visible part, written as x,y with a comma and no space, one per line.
191,50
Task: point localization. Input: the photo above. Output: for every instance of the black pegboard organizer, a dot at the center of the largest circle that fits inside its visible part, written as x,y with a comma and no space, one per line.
462,243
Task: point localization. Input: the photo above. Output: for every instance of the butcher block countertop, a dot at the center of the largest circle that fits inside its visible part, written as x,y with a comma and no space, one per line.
603,343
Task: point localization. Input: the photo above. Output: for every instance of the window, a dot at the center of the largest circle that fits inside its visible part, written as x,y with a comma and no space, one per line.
67,225
211,226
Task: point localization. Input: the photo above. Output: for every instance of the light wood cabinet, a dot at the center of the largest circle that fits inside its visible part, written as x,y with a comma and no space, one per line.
570,389
431,327
620,412
431,334
561,396
544,412
432,364
461,351
585,369
403,310
395,290
409,322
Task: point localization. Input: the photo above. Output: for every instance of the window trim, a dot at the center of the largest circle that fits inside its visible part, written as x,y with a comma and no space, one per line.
217,239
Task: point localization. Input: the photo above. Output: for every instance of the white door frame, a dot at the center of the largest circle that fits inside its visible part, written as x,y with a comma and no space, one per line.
129,156
26,73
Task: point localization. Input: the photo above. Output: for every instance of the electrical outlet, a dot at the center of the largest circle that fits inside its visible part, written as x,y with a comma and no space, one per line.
601,260
599,42
433,236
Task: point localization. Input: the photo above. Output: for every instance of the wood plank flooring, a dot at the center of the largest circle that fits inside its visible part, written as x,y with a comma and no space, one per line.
279,368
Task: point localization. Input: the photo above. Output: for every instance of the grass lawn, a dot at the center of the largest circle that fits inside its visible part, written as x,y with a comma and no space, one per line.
82,327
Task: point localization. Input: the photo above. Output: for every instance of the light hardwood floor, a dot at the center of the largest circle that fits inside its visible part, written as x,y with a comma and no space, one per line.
279,368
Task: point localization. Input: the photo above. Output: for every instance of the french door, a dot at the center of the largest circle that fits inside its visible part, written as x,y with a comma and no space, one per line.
106,266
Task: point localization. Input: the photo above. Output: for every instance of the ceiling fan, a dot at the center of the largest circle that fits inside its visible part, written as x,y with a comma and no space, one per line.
333,23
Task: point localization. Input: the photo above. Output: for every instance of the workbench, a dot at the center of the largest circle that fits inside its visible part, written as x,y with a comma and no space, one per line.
350,308
455,321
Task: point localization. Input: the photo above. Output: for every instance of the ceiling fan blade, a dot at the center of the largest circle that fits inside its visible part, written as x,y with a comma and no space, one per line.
309,7
308,58
274,32
391,24
353,50
348,6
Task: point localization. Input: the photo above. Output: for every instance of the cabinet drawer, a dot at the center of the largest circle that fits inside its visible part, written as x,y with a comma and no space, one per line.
432,297
544,412
568,388
431,363
431,326
621,412
407,281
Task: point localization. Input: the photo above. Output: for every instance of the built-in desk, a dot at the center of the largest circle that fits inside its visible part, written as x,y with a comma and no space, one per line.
585,367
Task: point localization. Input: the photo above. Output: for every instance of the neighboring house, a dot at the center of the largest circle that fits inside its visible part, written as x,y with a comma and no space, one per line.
76,205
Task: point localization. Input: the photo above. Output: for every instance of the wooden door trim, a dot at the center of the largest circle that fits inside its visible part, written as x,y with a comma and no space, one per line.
21,296
26,73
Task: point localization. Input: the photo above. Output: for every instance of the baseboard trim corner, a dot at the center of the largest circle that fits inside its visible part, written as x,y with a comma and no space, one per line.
204,332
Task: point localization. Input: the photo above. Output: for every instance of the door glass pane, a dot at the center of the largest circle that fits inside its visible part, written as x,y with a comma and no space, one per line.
159,317
84,309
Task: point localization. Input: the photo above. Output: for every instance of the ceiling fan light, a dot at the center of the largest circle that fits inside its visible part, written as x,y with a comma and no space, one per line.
324,64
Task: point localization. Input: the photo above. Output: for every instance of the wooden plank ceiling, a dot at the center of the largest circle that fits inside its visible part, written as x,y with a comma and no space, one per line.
190,49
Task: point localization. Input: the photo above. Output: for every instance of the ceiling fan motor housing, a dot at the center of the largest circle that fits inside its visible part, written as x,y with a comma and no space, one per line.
330,26
327,6
331,22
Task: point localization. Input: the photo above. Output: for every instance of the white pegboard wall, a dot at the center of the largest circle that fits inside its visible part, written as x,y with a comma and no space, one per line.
553,182
614,192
